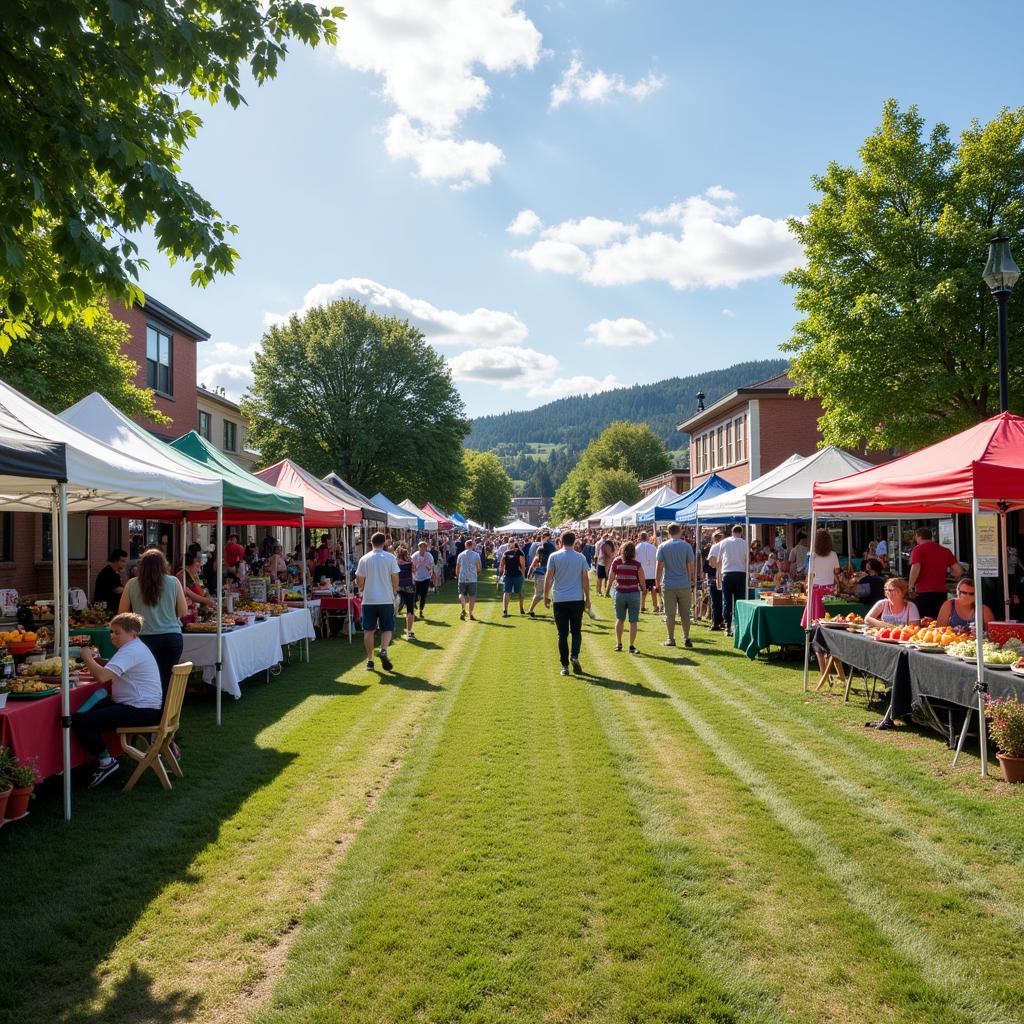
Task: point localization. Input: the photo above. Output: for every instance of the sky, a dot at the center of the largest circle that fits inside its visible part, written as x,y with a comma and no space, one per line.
564,196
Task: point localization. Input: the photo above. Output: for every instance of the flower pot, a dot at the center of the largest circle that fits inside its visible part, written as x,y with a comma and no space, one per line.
17,802
4,796
1013,768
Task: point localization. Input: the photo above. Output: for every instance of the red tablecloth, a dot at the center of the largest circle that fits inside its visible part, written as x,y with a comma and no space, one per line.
342,604
31,728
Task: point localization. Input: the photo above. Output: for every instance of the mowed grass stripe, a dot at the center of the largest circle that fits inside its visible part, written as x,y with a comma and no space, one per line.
520,888
956,980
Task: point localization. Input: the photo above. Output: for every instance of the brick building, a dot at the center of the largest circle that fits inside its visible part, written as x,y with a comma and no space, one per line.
221,422
530,510
678,479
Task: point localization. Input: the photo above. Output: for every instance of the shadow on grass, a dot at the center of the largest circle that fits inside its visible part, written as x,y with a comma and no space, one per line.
636,689
87,882
496,625
404,682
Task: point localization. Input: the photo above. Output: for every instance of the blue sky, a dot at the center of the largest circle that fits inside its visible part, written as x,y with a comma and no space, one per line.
646,152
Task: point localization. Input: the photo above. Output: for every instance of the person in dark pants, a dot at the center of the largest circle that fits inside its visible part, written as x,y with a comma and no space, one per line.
567,593
133,680
717,622
732,566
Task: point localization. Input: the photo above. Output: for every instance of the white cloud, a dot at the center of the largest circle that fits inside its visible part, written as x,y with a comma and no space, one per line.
505,366
562,387
706,243
479,327
588,231
222,364
599,86
728,312
526,223
625,332
429,56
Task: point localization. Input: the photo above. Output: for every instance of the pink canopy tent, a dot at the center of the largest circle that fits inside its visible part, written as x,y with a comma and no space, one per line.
443,522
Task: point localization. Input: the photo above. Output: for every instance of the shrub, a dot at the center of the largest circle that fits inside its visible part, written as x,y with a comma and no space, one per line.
1006,724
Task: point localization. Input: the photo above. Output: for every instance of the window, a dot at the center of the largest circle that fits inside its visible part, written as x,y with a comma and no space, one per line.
230,436
205,425
6,537
741,428
706,453
77,526
158,361
721,446
728,444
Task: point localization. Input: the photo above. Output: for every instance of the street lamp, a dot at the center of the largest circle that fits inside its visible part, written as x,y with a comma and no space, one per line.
1000,274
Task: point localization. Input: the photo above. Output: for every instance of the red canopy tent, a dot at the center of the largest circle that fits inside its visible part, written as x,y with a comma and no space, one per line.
978,470
443,522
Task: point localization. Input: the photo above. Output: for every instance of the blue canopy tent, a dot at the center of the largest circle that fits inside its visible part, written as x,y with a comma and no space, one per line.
459,522
684,508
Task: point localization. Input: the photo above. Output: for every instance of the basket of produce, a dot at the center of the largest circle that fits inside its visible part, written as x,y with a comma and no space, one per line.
1000,632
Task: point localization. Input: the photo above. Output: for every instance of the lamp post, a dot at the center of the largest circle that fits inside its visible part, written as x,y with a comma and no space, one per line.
1000,274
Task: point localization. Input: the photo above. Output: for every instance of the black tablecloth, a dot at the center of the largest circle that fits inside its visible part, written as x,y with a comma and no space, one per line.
883,661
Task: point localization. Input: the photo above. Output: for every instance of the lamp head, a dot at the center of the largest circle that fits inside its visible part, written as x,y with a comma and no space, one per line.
1000,272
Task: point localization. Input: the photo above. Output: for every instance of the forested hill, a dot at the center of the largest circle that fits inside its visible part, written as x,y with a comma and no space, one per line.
576,421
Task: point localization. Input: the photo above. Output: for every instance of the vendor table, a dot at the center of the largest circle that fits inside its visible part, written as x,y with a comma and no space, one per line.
31,728
100,638
348,605
758,626
296,624
246,650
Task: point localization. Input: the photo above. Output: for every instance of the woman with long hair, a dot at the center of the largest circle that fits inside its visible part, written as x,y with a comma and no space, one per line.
626,577
159,598
822,575
406,595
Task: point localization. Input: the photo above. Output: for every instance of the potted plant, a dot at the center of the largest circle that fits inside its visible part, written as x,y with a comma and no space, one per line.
23,779
7,765
1006,724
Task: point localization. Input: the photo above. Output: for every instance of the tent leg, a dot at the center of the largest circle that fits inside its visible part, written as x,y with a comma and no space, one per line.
88,558
305,583
220,605
963,736
807,613
746,567
348,580
1006,567
979,633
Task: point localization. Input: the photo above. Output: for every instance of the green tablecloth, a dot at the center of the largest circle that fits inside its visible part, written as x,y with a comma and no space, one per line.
100,637
757,626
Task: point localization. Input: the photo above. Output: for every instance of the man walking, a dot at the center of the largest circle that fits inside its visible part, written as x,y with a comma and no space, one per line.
605,554
646,555
717,623
567,592
676,564
542,553
732,561
468,568
929,562
377,579
422,574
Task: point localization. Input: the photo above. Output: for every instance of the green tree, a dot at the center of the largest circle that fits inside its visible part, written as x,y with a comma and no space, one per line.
345,389
61,365
610,485
898,338
489,491
93,125
572,499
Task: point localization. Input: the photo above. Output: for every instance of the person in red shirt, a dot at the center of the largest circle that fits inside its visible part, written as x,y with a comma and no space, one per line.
929,563
233,552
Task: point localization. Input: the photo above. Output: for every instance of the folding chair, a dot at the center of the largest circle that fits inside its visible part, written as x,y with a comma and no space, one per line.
156,739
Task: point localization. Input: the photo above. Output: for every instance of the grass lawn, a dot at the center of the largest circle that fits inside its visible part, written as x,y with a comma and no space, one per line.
678,836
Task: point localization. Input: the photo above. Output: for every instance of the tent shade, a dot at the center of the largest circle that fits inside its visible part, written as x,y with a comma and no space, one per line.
371,513
985,462
598,518
784,494
258,501
398,518
324,506
684,508
443,521
630,516
517,526
429,523
100,479
460,522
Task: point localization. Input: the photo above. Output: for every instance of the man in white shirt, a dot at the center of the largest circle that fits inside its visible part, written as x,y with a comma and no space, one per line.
732,562
377,579
468,567
647,556
136,696
714,586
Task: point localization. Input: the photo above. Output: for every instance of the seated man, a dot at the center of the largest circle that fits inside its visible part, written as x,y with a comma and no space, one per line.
136,698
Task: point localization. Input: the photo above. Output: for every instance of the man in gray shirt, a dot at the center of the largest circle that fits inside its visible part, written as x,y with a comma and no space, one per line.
675,576
567,593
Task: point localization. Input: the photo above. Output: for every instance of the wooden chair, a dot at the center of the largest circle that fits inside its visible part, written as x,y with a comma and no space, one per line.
154,741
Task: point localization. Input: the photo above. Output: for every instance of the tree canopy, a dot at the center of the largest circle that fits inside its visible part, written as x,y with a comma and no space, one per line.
898,338
608,486
61,365
345,389
489,491
92,127
633,450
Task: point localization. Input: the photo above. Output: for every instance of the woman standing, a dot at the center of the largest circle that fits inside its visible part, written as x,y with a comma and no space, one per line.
822,573
626,576
160,600
406,595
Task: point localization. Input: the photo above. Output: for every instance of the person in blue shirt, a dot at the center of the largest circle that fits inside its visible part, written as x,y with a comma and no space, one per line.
567,593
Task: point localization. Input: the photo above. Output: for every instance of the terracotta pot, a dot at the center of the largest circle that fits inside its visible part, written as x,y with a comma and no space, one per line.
17,802
4,796
1013,768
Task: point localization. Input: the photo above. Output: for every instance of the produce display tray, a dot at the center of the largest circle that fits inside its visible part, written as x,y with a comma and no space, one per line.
38,695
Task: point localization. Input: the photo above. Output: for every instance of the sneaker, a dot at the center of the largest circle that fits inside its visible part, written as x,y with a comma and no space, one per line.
472,618
590,612
728,632
175,751
522,611
632,649
564,670
716,629
410,635
577,667
668,643
504,615
386,661
618,647
369,665
462,616
688,643
532,616
103,771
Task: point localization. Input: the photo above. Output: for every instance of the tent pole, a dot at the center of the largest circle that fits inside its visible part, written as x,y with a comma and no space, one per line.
305,584
746,567
58,514
348,581
979,637
220,603
899,547
807,612
1006,566
849,544
88,558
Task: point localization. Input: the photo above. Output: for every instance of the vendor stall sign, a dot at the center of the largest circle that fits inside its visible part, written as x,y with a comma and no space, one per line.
256,588
947,534
986,554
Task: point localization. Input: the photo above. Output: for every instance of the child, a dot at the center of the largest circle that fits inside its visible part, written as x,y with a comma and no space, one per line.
136,697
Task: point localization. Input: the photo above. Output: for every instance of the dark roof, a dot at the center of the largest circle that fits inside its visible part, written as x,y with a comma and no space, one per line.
165,313
781,384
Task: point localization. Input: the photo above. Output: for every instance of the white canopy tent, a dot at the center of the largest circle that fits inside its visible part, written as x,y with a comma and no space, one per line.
595,518
429,525
627,517
93,477
517,526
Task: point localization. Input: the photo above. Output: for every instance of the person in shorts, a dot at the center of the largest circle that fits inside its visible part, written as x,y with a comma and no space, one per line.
539,566
675,575
406,597
377,579
605,554
513,568
647,555
468,566
626,575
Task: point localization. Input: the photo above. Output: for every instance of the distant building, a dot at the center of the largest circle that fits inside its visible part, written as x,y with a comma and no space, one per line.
530,510
221,422
678,479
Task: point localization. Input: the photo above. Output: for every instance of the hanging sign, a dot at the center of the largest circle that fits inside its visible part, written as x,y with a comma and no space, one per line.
986,553
946,533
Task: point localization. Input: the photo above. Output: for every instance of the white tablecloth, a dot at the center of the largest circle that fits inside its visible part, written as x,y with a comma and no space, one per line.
246,650
296,624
